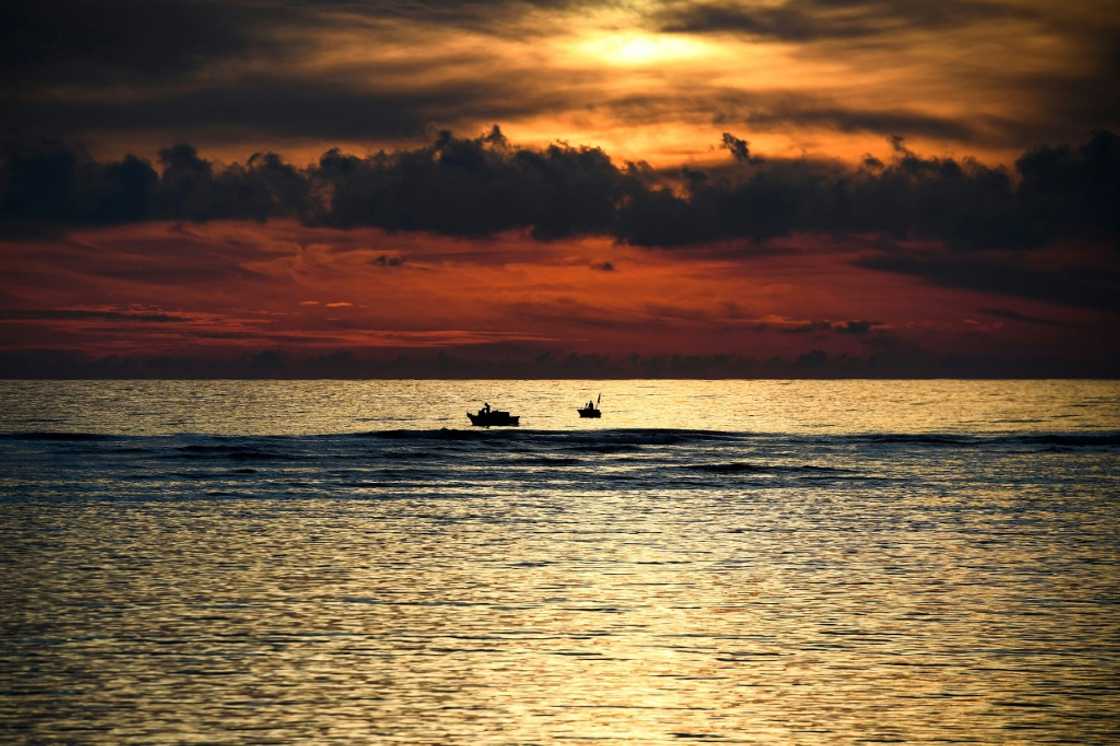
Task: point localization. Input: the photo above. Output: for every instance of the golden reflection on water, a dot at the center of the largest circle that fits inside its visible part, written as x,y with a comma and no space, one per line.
917,594
316,407
485,621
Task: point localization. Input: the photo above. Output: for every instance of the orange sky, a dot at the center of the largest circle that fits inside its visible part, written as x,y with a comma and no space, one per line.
210,290
102,260
640,78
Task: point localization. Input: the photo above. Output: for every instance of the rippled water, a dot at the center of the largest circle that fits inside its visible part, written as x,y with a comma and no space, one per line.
741,561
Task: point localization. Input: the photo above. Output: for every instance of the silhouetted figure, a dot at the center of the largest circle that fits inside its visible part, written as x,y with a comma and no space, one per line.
590,410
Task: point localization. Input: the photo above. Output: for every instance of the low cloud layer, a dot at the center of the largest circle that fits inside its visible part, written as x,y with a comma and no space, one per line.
476,187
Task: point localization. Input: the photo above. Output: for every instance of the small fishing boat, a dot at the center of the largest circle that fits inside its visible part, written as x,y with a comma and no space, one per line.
488,417
591,409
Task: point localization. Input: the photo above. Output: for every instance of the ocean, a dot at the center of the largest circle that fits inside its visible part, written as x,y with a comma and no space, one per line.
712,561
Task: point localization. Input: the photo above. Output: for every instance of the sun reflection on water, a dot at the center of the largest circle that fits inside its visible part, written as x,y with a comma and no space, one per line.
576,585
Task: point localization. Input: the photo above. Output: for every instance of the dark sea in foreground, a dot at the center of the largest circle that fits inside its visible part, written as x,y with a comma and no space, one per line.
739,561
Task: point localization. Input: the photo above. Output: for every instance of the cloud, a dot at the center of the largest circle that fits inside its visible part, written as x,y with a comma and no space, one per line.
1089,287
817,20
478,187
65,40
968,51
521,359
293,106
1056,193
802,111
1008,314
782,325
771,110
275,69
217,73
53,185
75,314
853,327
137,40
739,149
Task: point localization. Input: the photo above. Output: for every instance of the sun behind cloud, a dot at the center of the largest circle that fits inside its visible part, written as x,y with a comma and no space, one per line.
634,49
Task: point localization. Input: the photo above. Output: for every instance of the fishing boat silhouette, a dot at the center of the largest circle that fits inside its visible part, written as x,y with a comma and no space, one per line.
487,417
591,409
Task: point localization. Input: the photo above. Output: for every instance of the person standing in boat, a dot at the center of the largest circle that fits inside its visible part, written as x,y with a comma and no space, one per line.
486,408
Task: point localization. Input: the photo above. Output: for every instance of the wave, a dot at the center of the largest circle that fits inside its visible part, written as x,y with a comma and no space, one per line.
1071,439
737,467
1102,439
914,439
546,461
605,441
49,436
657,436
212,474
232,452
429,464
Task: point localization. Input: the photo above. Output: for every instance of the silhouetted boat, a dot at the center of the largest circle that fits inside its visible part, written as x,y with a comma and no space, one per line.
487,417
590,409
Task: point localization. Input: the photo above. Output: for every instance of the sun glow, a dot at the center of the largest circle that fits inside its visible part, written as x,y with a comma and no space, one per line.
641,49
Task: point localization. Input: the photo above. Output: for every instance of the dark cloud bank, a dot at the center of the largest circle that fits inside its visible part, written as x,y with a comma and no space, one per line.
483,186
1054,195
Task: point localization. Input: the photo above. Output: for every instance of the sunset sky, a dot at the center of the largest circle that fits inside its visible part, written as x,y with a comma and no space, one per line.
556,187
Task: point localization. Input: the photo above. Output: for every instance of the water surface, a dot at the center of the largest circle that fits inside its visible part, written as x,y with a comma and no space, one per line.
833,562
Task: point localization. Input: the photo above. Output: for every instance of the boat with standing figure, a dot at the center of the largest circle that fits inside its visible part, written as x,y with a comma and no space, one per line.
591,409
488,417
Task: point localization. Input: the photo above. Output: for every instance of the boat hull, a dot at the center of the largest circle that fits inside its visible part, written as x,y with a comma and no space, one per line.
592,413
494,419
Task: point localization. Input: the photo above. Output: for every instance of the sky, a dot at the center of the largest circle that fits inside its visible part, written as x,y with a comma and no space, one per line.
298,188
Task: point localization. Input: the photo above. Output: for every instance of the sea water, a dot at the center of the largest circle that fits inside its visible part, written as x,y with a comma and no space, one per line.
739,561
